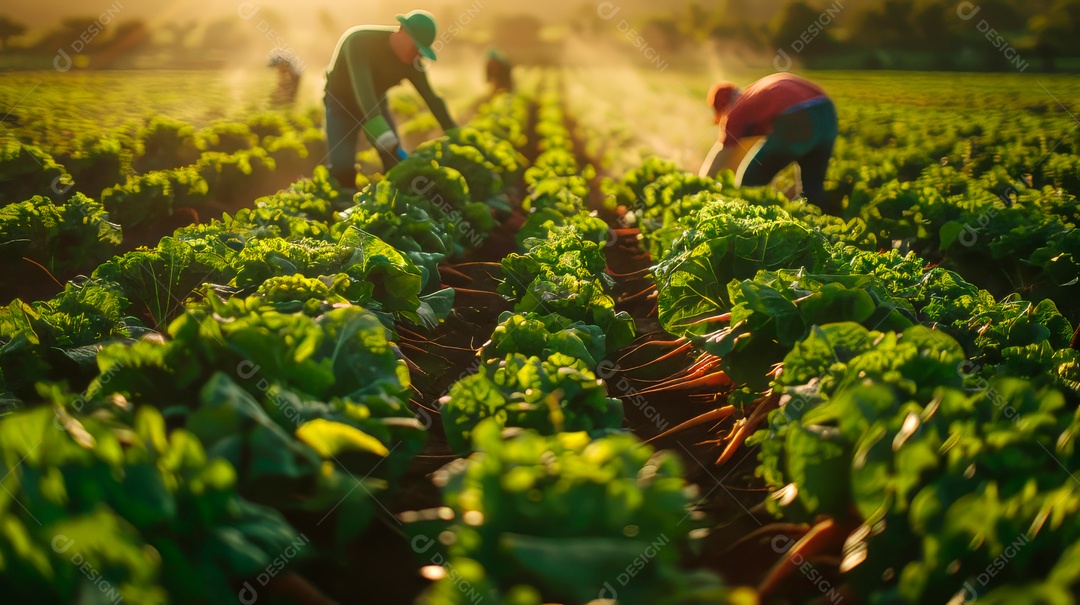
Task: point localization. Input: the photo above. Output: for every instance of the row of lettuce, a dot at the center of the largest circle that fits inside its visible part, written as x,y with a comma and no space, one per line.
934,419
556,503
1008,232
991,195
70,211
201,412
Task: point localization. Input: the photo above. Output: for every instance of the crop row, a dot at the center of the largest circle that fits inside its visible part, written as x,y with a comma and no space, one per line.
72,215
557,503
203,411
923,426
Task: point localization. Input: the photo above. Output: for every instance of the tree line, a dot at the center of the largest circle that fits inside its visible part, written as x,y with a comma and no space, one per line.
104,42
946,34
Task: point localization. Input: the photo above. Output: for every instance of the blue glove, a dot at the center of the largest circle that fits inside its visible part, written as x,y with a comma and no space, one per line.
400,153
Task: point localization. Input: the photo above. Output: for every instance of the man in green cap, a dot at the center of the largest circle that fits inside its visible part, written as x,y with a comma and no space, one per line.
369,60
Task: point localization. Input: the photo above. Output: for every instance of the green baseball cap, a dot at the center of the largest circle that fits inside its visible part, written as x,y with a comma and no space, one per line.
420,25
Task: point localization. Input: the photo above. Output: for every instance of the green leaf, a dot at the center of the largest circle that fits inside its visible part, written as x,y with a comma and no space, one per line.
576,569
950,232
817,461
333,439
834,304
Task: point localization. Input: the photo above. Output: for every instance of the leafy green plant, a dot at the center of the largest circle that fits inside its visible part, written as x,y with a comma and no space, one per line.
728,240
560,518
156,282
541,336
879,426
61,237
164,144
27,171
150,197
556,394
227,138
238,174
95,512
59,339
98,164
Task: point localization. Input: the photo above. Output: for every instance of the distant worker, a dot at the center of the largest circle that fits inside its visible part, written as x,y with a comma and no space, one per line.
499,72
798,121
289,72
369,60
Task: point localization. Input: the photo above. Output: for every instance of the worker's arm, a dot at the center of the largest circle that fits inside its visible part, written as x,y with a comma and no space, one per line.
725,153
434,101
719,158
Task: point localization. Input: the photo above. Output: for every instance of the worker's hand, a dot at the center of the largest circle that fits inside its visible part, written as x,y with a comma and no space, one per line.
389,143
382,136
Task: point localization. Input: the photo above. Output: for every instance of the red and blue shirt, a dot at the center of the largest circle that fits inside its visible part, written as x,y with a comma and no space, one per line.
763,101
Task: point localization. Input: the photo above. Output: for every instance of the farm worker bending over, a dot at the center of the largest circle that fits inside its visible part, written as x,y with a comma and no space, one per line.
798,121
369,60
289,72
499,72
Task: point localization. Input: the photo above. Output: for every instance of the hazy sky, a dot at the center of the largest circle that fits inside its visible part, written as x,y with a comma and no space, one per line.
41,13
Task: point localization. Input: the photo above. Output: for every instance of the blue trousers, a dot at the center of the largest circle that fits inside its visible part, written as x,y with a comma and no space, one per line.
343,128
805,137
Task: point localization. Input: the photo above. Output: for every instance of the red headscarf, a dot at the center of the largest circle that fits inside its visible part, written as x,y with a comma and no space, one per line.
720,96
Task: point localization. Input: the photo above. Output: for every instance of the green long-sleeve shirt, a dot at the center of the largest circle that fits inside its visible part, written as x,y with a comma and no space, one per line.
364,67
